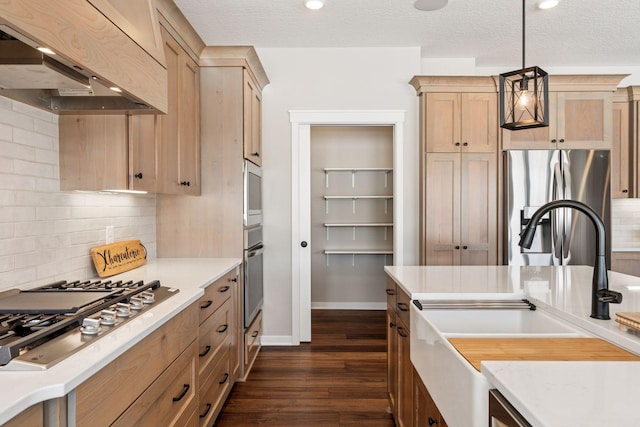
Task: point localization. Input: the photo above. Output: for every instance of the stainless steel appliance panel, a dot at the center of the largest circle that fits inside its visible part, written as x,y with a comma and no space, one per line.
535,177
253,269
252,208
502,413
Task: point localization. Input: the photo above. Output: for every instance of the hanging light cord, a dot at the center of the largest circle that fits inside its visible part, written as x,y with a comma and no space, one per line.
523,22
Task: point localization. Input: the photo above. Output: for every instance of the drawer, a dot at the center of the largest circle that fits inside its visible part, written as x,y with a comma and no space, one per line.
215,337
32,417
391,292
217,293
170,400
252,339
214,390
402,305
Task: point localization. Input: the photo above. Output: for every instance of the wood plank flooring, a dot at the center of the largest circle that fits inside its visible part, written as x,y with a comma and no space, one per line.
339,379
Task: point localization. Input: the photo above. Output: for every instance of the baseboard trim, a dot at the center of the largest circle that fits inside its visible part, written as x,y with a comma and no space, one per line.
276,340
349,305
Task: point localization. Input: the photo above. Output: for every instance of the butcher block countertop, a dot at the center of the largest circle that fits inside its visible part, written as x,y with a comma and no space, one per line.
477,350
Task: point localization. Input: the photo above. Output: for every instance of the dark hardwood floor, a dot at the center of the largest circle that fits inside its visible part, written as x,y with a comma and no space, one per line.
339,379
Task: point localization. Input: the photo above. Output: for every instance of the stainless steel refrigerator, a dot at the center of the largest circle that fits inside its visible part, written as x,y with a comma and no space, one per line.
564,236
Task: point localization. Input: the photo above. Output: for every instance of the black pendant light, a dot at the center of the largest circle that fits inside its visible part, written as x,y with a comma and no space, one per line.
524,94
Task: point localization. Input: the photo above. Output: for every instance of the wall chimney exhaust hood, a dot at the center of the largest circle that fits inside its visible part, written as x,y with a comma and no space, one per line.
47,81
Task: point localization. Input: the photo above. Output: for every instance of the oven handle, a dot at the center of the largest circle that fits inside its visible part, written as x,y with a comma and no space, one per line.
255,250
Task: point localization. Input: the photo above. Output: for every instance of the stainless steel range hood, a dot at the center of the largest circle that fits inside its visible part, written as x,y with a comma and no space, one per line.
35,78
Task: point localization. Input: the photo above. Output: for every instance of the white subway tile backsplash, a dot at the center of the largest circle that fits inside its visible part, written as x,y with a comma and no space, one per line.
45,234
625,223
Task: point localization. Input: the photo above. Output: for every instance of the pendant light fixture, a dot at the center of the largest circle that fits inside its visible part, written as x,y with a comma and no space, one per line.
524,94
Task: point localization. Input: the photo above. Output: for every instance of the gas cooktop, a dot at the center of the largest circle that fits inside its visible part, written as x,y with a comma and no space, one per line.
42,326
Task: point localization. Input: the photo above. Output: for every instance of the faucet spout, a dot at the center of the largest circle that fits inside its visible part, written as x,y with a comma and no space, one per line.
601,296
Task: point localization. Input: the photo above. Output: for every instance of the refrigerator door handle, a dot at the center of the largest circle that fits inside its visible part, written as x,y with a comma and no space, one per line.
568,217
556,229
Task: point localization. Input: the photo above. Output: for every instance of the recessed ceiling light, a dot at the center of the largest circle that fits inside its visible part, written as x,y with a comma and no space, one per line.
428,5
116,89
548,4
314,4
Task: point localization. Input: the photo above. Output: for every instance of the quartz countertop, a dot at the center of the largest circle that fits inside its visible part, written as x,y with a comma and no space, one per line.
548,391
21,389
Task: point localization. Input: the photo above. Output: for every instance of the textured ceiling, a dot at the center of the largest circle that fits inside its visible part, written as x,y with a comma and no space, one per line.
576,32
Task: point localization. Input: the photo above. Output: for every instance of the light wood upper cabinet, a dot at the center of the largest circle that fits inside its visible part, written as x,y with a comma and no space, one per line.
93,152
180,145
252,120
464,122
621,161
108,152
461,209
579,115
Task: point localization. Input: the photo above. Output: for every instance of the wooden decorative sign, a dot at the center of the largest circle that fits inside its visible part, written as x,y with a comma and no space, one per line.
118,257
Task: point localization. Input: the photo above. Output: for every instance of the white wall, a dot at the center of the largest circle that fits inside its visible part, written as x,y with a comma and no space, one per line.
45,234
326,79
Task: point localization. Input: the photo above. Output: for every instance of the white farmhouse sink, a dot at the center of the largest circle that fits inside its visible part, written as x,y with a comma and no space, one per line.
459,391
497,323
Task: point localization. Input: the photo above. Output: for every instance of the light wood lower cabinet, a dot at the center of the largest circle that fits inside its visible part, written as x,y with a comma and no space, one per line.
252,337
31,417
426,413
399,367
139,374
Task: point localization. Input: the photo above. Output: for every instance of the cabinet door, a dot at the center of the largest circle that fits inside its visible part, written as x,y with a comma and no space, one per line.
426,413
442,237
584,120
144,132
180,146
392,360
442,122
405,378
479,122
620,153
93,152
479,209
535,138
189,122
252,120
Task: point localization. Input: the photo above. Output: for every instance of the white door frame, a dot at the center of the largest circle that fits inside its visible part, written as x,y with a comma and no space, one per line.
301,122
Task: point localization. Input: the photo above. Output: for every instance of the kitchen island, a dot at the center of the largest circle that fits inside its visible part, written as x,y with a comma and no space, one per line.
20,389
564,295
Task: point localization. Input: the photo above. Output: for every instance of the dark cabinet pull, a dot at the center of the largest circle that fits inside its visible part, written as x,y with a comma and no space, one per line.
390,291
256,154
138,175
625,191
186,183
206,305
223,289
254,334
223,329
234,280
401,332
206,350
457,144
432,421
554,141
204,414
392,325
465,247
561,140
402,306
185,389
465,144
457,246
224,380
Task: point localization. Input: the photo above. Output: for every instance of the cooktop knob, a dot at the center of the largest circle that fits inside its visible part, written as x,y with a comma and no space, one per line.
90,326
147,297
108,317
123,309
136,303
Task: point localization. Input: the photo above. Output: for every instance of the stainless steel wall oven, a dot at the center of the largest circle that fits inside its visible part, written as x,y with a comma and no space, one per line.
252,210
253,288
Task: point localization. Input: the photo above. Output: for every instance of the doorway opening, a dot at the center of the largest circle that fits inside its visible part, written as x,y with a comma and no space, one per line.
343,177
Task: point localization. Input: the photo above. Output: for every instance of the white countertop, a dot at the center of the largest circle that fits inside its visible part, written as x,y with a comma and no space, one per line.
20,390
564,292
